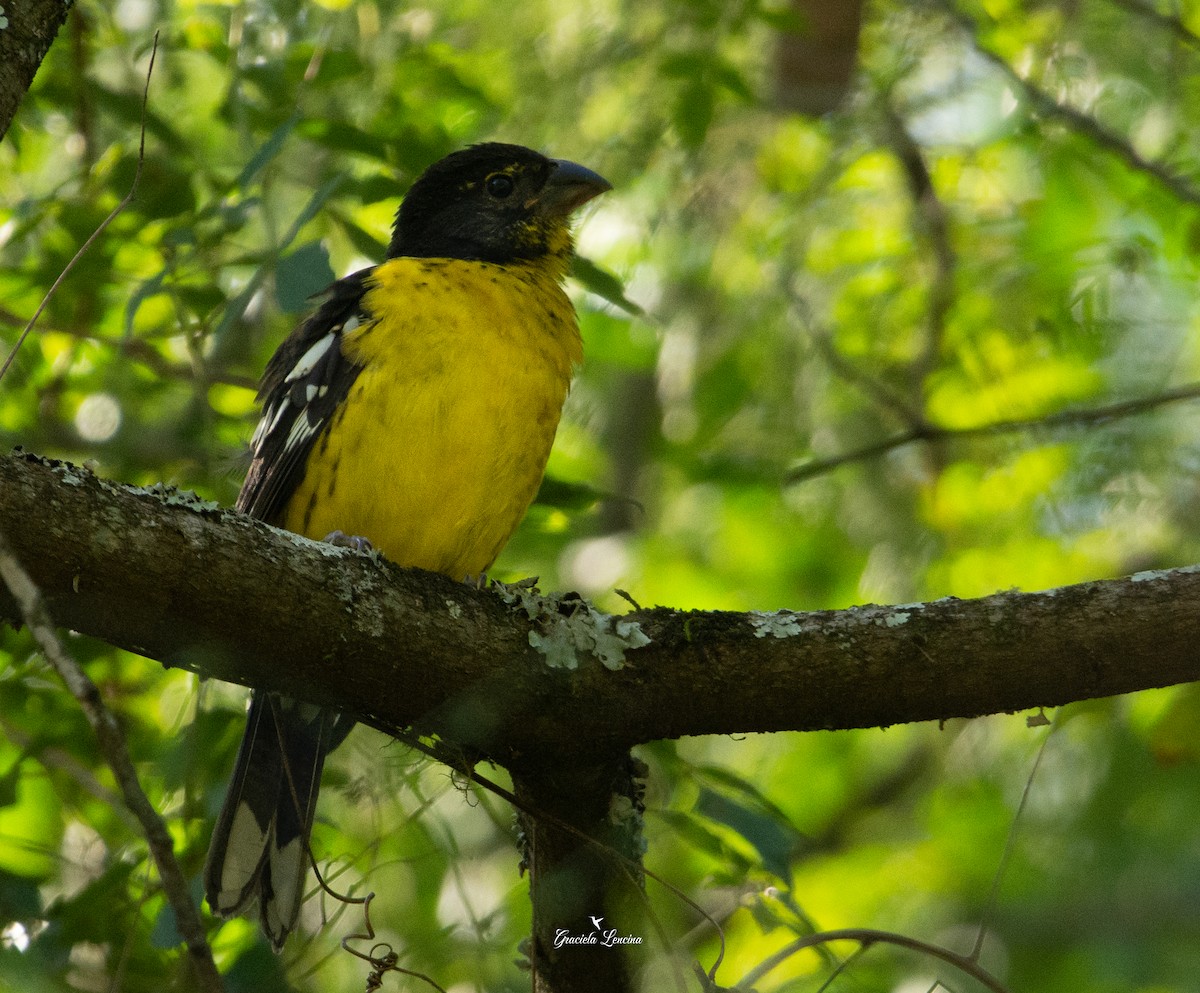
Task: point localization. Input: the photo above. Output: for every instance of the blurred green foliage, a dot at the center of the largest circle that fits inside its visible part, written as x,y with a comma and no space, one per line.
785,291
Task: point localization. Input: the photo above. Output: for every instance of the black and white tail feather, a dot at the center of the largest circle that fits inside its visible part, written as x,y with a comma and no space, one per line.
259,853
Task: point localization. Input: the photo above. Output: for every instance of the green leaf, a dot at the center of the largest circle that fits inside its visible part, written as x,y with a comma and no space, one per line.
364,242
146,289
733,800
267,152
566,495
702,837
300,275
693,113
165,933
619,341
89,914
339,136
255,970
604,284
20,898
237,307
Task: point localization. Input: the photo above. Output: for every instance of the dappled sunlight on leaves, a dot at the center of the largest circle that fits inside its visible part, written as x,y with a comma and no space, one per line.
761,291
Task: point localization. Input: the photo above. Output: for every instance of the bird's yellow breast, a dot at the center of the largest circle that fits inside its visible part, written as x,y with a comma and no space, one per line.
440,445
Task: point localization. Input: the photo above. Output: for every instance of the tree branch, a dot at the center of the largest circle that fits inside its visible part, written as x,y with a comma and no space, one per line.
1044,104
163,574
1077,417
112,216
932,223
867,937
28,29
1165,22
140,349
31,605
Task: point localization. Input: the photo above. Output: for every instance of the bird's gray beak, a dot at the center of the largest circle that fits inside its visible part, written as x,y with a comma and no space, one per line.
569,187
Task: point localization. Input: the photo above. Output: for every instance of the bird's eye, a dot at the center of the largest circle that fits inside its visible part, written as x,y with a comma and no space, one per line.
499,185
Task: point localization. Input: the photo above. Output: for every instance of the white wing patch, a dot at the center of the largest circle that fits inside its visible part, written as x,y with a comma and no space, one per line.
309,359
300,396
269,421
301,431
289,408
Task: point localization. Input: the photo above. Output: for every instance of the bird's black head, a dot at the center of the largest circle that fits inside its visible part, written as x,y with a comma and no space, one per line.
494,203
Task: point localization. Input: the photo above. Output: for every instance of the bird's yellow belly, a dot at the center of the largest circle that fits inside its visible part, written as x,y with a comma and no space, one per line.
441,444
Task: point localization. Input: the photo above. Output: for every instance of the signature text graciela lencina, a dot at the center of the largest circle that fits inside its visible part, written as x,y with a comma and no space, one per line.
601,936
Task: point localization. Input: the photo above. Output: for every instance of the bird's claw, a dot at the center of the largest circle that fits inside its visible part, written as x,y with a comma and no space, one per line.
342,540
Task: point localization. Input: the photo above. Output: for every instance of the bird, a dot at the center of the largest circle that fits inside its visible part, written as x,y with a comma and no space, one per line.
412,412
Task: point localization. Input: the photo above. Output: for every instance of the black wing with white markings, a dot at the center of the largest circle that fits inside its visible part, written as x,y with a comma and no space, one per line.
304,382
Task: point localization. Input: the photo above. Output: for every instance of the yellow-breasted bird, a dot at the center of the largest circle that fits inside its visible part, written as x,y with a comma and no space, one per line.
416,408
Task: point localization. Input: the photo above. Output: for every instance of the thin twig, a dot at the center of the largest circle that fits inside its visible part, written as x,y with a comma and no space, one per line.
630,867
933,223
549,819
870,936
1167,22
138,349
1071,418
137,175
381,957
842,966
1047,106
870,386
116,753
1010,844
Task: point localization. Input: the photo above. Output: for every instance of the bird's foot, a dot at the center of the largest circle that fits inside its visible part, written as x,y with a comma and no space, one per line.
342,540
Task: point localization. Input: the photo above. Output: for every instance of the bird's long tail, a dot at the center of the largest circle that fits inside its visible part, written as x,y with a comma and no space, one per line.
259,849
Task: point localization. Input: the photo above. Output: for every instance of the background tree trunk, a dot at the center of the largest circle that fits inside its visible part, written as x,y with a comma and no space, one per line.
24,40
574,882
